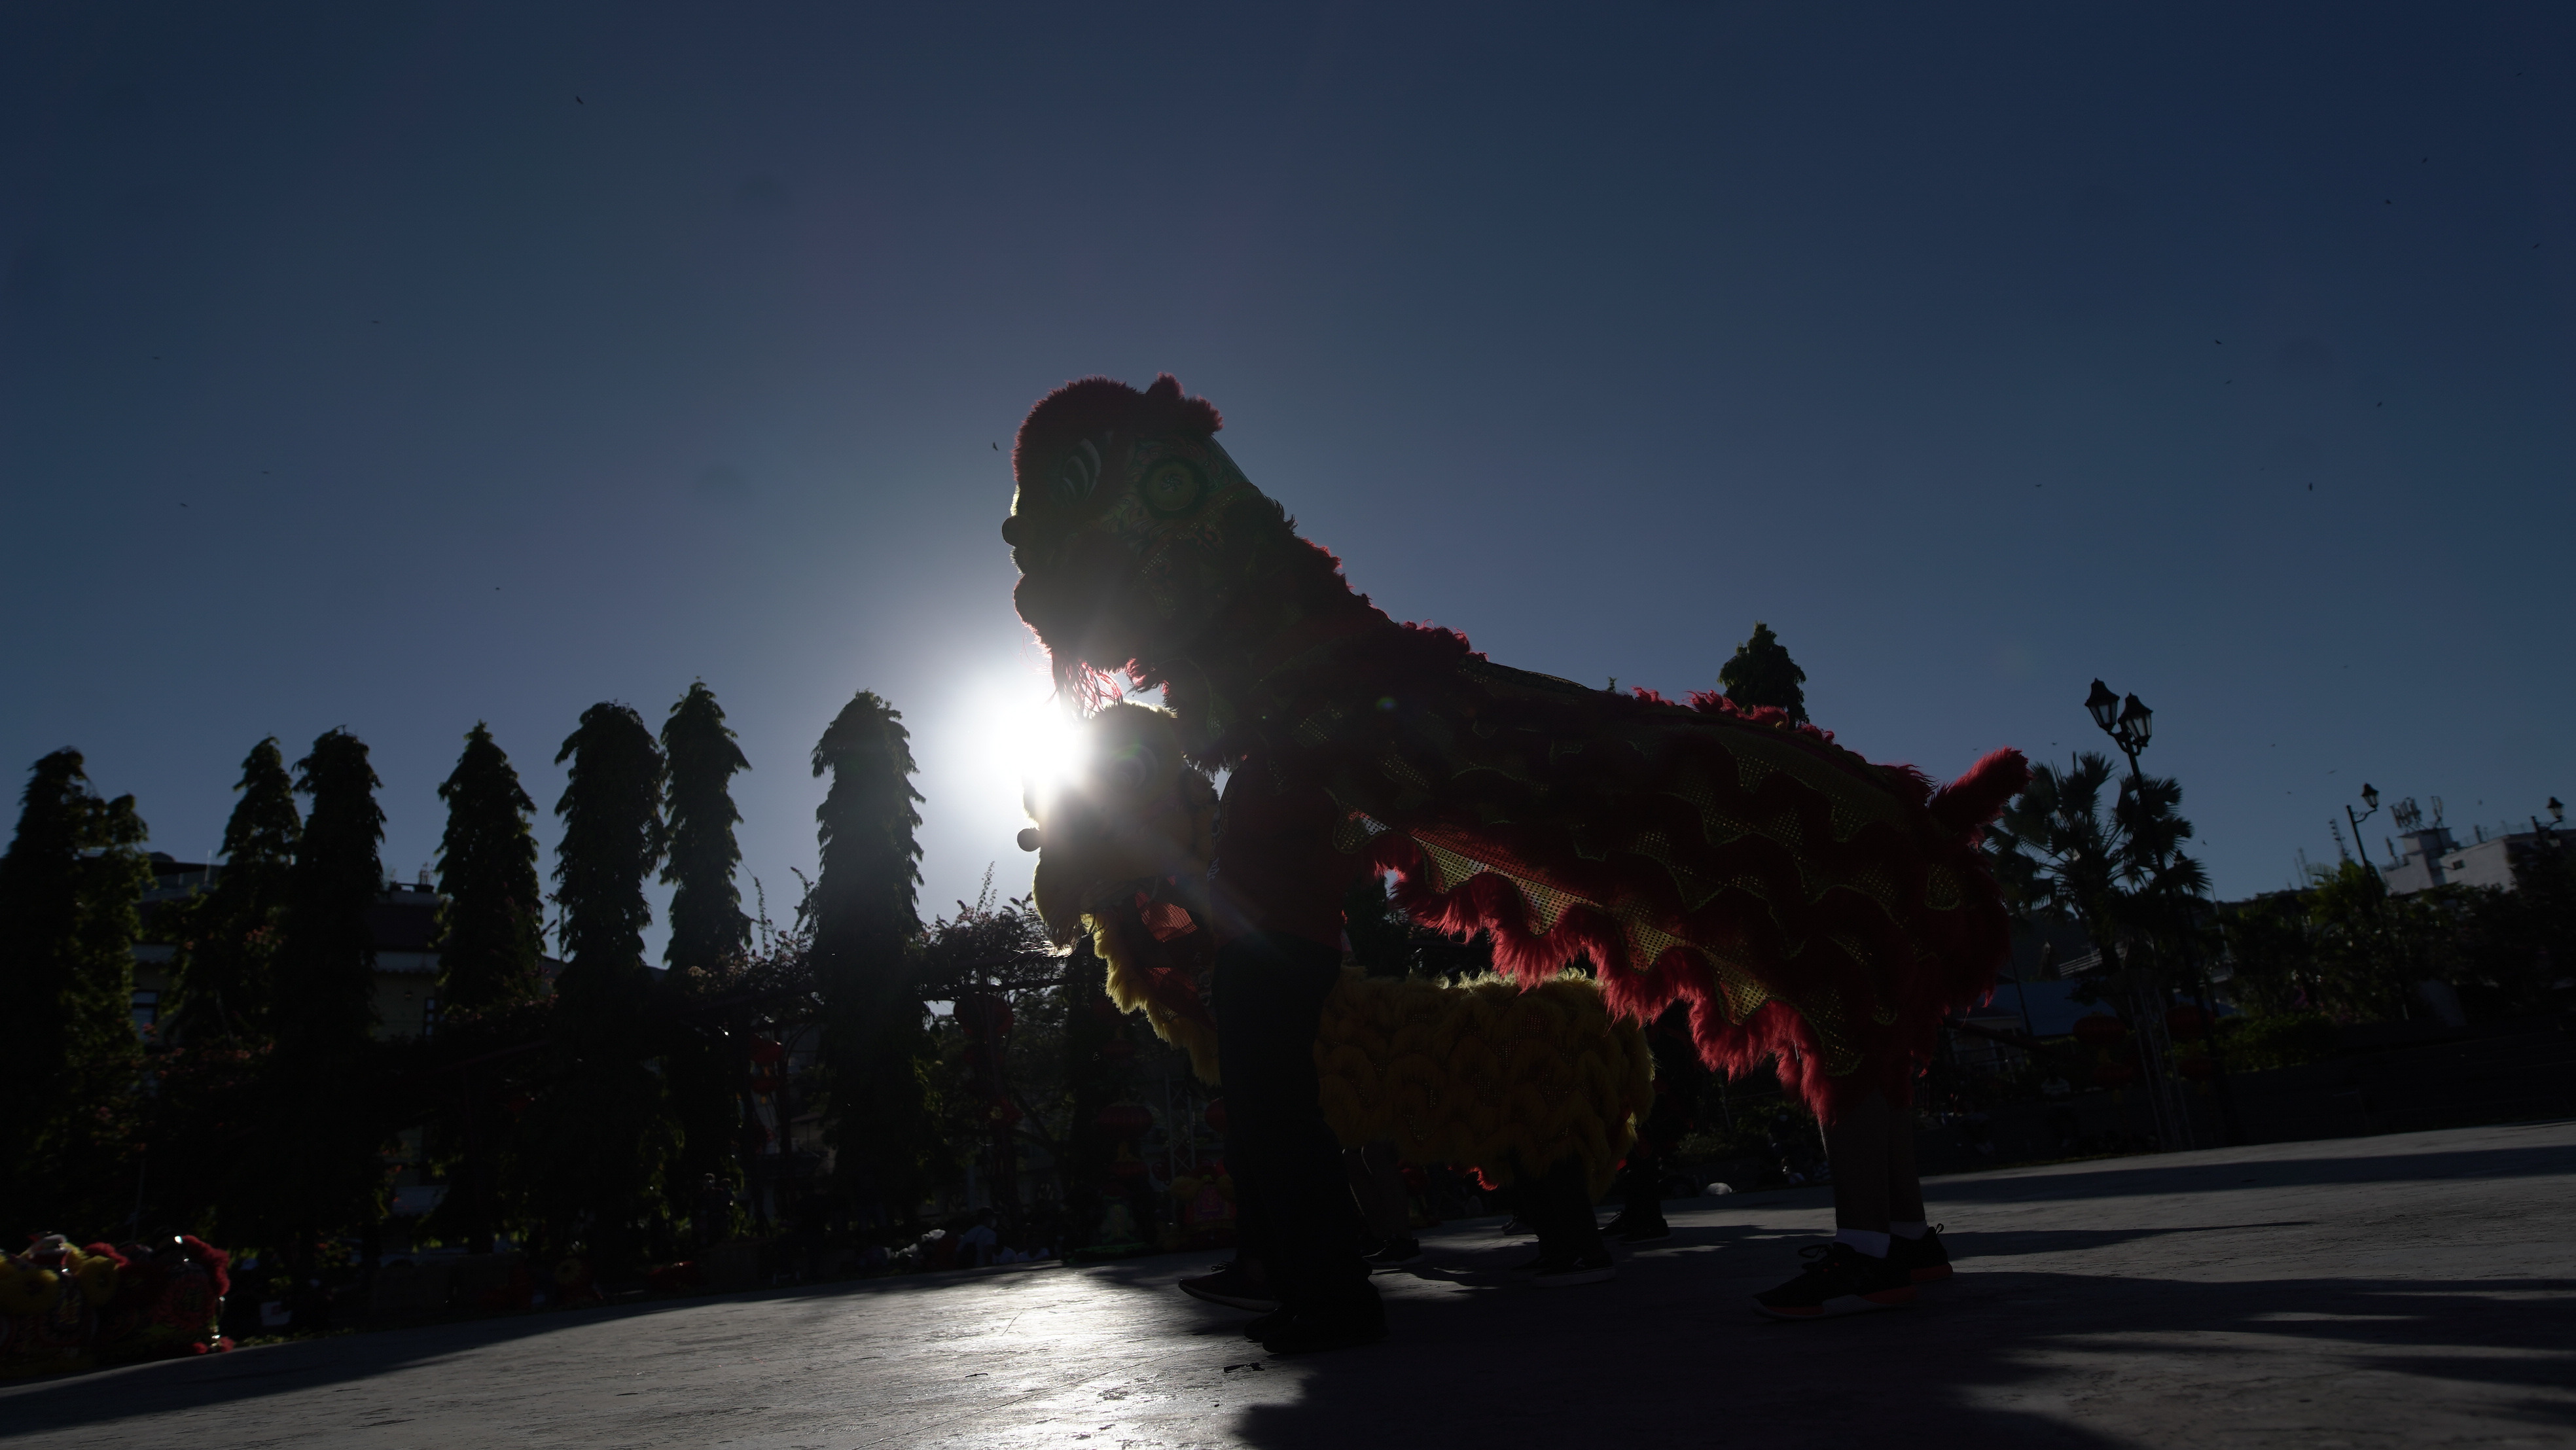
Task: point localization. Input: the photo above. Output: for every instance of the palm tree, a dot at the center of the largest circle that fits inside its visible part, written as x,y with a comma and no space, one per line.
2119,872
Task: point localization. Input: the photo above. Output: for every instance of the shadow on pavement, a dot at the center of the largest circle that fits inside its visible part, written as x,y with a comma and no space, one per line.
2151,1175
1667,1362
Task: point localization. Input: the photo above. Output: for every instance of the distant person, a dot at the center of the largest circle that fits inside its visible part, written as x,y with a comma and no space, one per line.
711,1213
975,1246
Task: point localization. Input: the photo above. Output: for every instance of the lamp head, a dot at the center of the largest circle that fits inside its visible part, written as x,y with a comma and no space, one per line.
2137,722
2104,705
2557,811
2369,795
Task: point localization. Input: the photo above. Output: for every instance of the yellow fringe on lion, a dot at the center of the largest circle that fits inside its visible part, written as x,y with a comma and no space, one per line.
1510,1080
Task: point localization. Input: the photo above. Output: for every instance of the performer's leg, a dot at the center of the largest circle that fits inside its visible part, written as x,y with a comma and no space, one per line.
1915,1246
1269,998
1858,1145
1381,1205
1904,1184
1570,1247
1855,1272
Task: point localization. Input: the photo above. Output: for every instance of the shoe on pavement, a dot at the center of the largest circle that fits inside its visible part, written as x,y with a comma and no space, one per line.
1651,1231
1924,1260
1588,1269
1838,1279
1396,1253
1256,1329
1315,1333
1231,1287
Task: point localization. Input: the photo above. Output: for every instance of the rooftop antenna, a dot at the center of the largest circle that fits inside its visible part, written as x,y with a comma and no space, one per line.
2437,811
2336,827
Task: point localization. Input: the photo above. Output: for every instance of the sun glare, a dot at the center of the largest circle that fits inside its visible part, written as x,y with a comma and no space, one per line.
1039,744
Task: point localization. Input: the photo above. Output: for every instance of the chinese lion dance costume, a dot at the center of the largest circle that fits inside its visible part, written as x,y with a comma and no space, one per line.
1511,1080
67,1307
1811,908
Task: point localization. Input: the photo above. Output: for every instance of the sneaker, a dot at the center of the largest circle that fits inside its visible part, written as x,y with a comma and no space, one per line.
1314,1334
1838,1279
1647,1231
1231,1287
1589,1269
1396,1254
1923,1259
1513,1228
1258,1328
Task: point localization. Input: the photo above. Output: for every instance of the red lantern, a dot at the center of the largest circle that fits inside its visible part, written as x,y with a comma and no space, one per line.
1126,1120
1002,1113
765,1052
1216,1115
2115,1074
2100,1030
2186,1023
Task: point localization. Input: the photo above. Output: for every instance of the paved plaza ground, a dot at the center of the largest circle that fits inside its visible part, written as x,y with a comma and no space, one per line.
2416,1290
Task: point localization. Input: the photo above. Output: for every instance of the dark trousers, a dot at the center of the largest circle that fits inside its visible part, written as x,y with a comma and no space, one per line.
1558,1210
1679,1078
1293,1203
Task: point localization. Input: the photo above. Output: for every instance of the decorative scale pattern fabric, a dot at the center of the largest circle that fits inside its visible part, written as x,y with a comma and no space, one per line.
1816,910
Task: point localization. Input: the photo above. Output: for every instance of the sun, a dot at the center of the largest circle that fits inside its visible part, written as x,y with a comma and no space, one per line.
1038,743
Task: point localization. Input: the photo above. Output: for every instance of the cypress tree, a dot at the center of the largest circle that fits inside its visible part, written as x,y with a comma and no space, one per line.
707,922
321,1171
867,920
69,887
225,988
491,911
703,1067
491,947
613,837
1761,673
601,1138
326,988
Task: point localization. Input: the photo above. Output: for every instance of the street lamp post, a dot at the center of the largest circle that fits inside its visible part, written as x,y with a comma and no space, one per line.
2130,724
2370,798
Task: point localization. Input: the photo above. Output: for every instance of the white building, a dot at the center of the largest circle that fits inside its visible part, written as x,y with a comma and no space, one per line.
2432,857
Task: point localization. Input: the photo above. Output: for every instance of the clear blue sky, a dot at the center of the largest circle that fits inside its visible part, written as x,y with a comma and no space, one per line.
392,367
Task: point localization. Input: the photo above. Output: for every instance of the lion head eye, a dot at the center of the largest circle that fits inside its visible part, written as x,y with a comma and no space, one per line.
1133,767
1075,476
1173,488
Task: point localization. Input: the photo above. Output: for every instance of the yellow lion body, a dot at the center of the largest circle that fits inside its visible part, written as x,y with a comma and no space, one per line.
1511,1080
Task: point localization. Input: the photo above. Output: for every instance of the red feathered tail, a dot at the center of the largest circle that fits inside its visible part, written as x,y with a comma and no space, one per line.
1968,805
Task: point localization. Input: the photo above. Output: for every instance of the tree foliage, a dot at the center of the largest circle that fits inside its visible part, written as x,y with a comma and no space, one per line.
2118,869
707,921
867,898
705,1062
491,912
613,837
326,1008
226,988
2345,947
597,1143
315,1167
69,885
1761,673
866,913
